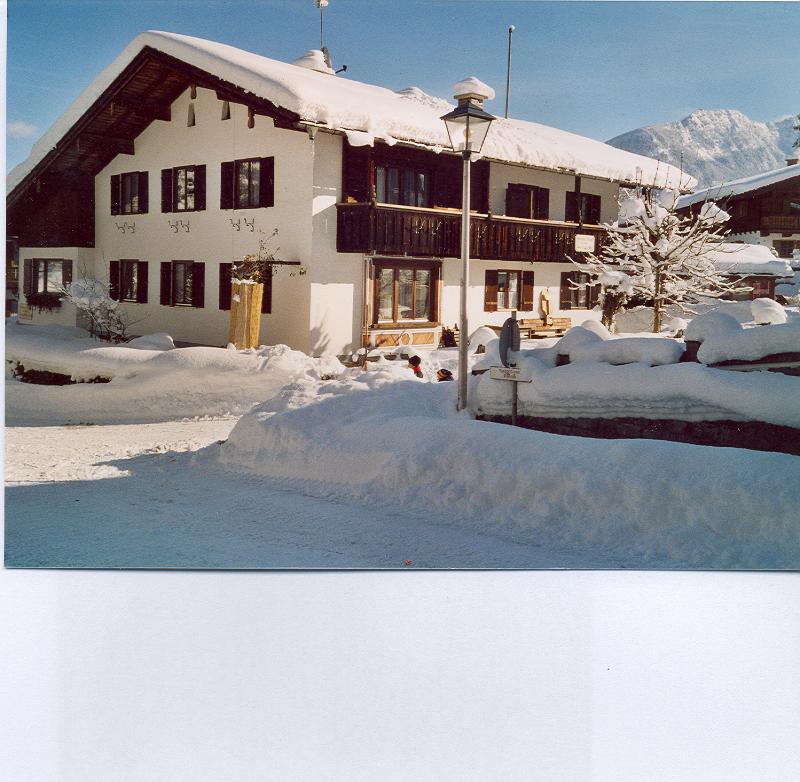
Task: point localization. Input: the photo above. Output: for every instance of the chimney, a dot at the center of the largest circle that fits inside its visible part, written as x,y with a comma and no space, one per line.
792,161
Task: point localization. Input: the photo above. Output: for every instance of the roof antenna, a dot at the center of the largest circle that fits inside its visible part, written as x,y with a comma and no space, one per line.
321,4
511,29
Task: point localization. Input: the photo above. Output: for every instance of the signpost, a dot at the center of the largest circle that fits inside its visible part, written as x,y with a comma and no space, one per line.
509,341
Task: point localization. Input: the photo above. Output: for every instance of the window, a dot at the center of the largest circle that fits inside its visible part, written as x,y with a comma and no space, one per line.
589,208
128,281
785,248
396,185
506,289
405,293
573,298
225,289
182,283
248,184
183,189
528,201
46,275
763,288
129,193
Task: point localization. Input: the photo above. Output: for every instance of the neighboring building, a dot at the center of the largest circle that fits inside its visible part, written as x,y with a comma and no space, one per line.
753,265
183,152
12,275
764,209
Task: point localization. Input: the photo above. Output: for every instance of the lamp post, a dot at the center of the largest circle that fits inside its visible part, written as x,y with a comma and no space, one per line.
467,126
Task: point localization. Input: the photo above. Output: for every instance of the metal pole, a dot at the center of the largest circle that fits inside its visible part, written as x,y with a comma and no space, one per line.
508,68
463,344
514,390
320,27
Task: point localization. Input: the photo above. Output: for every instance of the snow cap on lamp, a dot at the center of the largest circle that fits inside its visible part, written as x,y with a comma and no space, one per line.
473,88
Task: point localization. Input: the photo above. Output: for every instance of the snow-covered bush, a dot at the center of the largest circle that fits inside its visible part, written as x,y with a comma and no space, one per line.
615,290
665,256
92,297
711,324
767,311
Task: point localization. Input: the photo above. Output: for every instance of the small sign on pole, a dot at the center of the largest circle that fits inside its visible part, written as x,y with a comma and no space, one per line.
508,373
24,312
584,243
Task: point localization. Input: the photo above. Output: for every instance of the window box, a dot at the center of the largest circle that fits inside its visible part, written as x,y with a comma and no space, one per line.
44,279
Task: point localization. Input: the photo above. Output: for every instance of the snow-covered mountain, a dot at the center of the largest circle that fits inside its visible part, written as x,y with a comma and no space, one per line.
717,145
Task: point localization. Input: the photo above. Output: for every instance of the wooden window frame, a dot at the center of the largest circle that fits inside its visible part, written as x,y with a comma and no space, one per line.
538,201
237,204
34,288
188,265
125,266
575,295
508,273
433,315
197,294
594,205
176,173
401,171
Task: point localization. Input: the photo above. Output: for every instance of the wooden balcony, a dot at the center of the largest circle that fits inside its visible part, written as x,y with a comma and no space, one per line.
780,223
402,230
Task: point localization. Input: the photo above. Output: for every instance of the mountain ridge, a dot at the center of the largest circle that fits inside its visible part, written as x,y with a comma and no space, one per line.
715,145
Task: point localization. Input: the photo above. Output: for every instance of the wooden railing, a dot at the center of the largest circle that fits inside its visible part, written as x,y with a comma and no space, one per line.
390,230
780,223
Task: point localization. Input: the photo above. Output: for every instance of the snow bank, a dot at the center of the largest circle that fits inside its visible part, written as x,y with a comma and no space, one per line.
752,344
159,341
371,439
688,392
345,105
628,350
712,324
767,311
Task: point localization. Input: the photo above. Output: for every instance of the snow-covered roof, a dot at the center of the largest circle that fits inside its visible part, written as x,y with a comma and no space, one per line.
738,186
748,259
366,112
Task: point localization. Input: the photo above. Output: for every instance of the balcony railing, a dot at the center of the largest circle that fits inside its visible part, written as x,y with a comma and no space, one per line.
780,223
398,230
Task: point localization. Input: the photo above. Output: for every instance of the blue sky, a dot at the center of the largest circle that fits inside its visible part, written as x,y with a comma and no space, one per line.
597,69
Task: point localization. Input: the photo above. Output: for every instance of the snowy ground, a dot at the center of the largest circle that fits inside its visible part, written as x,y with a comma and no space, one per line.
367,469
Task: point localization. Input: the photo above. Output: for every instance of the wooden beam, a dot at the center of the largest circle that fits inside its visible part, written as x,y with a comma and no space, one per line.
144,108
123,145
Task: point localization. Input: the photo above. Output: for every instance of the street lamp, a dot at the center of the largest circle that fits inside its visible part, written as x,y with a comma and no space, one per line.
467,126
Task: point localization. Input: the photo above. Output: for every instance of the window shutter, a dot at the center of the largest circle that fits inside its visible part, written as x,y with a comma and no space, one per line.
571,208
66,273
27,273
199,188
226,186
166,283
266,196
490,291
566,293
141,277
144,192
594,211
266,299
541,206
527,291
225,286
115,194
113,280
198,284
518,201
166,189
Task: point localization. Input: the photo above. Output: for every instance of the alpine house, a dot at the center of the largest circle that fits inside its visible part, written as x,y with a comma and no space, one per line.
184,153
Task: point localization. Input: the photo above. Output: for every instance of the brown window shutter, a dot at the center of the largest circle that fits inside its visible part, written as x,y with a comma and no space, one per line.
266,196
113,280
27,274
199,188
141,279
527,291
166,189
115,180
567,292
144,192
571,208
266,298
518,201
594,211
66,272
225,286
198,284
166,283
226,185
490,291
541,205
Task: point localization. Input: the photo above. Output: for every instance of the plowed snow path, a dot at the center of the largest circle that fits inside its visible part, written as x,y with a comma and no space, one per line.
136,496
